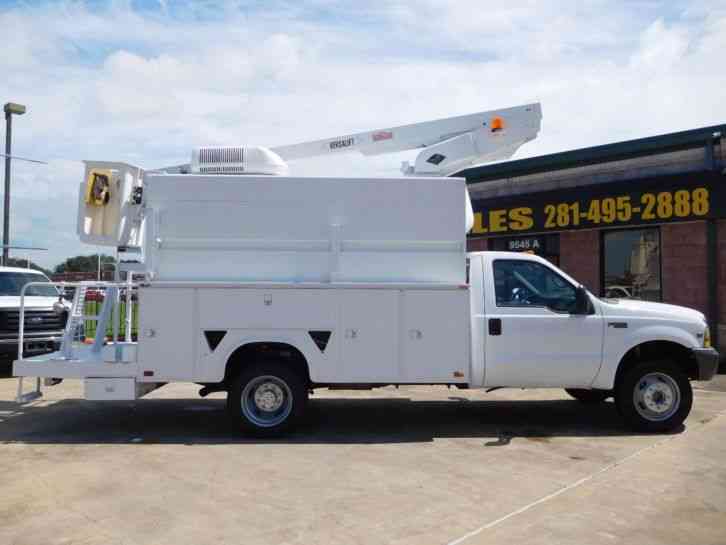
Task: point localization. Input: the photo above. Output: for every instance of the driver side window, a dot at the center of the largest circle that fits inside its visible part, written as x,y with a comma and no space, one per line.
520,283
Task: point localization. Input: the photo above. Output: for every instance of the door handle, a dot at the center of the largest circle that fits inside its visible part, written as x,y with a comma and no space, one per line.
495,326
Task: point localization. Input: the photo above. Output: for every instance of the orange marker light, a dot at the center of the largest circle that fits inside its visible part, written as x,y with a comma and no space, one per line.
497,124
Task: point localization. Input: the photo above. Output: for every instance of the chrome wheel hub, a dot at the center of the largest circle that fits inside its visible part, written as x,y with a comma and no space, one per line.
656,396
269,397
266,401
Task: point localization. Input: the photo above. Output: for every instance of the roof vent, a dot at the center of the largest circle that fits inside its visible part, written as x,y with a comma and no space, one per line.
237,160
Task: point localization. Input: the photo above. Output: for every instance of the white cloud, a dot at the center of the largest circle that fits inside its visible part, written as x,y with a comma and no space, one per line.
661,47
145,83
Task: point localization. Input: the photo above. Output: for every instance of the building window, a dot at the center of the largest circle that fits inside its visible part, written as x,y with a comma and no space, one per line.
631,264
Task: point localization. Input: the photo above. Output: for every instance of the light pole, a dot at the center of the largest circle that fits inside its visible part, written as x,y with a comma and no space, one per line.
10,109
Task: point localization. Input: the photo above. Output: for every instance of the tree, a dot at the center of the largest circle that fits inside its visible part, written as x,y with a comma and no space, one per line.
25,264
84,263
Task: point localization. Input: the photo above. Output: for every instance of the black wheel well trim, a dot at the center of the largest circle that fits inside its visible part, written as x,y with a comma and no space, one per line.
655,350
260,351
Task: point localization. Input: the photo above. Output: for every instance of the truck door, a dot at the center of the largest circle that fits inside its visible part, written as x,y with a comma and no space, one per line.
531,336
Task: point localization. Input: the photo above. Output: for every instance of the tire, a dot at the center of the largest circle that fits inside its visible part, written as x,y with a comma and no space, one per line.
654,396
589,397
267,399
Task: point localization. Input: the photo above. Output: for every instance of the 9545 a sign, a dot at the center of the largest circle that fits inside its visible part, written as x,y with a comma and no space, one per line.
654,200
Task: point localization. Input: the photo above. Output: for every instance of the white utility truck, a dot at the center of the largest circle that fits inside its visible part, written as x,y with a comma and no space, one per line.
267,286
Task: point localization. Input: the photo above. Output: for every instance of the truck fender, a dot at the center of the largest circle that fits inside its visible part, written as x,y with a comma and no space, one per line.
216,362
605,378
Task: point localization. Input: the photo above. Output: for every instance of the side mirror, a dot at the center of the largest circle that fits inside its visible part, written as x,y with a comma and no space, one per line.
582,301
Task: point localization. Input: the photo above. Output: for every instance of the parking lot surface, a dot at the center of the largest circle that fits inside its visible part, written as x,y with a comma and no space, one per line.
415,465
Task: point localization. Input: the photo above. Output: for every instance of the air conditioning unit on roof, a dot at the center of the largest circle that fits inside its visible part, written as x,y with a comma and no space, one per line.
237,160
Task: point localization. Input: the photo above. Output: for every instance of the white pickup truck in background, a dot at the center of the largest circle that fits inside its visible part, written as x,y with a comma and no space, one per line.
268,287
45,317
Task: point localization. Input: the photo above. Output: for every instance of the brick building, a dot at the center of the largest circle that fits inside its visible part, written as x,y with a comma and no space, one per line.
106,276
644,218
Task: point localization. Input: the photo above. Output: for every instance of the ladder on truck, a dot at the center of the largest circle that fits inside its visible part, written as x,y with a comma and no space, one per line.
78,320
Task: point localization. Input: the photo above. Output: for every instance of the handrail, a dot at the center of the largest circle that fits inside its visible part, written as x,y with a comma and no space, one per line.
129,285
112,289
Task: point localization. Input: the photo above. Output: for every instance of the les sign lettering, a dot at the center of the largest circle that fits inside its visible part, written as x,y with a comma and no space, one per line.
662,199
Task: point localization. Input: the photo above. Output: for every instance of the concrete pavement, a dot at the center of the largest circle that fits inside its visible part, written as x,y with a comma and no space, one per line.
415,465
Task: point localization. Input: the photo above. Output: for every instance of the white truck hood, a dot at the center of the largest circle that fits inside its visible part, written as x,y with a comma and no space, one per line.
13,302
634,307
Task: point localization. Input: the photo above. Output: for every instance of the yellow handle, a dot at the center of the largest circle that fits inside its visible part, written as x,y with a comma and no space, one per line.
98,187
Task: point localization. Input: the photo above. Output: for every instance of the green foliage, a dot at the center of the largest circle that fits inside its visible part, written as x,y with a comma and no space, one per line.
85,263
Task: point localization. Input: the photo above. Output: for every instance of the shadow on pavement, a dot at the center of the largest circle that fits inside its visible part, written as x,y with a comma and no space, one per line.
6,368
329,420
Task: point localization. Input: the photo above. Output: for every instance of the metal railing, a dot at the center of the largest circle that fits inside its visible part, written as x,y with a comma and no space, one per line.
118,308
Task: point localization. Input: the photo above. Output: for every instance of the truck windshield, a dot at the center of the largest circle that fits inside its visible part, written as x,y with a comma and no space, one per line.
12,282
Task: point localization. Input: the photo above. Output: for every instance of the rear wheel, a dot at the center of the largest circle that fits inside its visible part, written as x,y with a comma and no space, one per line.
589,397
267,399
654,396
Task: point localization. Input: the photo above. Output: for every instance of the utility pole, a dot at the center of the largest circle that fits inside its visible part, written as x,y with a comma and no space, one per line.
10,109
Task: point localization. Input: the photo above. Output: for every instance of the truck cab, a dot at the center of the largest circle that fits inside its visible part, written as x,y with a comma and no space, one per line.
540,328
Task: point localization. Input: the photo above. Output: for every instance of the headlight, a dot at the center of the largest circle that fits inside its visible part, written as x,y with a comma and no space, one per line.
707,338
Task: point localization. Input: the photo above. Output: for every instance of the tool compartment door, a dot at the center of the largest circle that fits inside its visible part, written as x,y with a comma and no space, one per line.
435,335
369,327
167,347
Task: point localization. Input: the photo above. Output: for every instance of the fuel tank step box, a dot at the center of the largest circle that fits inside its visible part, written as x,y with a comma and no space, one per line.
110,389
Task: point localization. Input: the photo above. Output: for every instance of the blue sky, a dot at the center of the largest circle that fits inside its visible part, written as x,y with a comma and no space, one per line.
145,81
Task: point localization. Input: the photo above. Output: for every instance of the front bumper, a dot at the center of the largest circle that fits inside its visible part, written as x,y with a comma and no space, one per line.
707,361
38,343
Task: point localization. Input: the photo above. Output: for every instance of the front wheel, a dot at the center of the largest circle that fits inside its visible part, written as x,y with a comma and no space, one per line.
267,399
654,396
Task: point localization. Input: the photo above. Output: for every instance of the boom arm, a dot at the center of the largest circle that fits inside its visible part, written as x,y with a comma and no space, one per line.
451,144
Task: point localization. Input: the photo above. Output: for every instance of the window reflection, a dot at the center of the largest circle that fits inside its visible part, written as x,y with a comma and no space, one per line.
632,264
525,283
